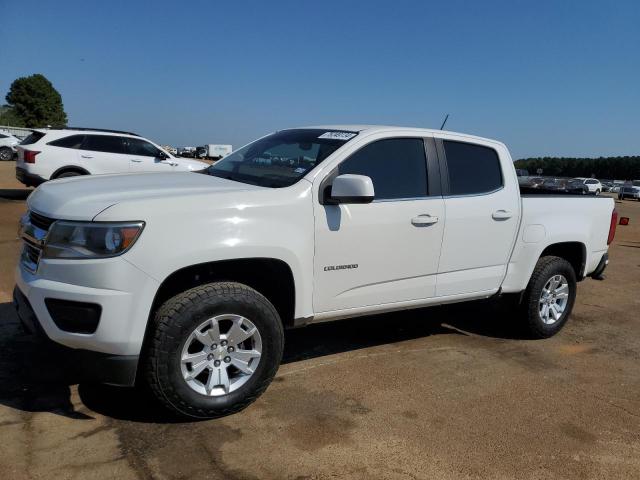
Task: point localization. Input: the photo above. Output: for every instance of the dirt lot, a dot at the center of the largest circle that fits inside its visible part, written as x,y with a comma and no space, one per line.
439,393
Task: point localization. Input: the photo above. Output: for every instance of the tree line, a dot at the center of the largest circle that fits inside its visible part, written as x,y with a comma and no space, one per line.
614,168
33,102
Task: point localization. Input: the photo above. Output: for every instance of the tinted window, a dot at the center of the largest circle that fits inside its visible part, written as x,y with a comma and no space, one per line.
74,141
103,143
33,138
473,169
592,182
397,167
135,146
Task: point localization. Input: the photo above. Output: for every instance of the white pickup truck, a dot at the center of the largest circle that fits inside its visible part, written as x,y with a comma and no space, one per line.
187,280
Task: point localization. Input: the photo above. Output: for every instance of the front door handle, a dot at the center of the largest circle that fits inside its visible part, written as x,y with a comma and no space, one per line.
501,215
135,160
424,219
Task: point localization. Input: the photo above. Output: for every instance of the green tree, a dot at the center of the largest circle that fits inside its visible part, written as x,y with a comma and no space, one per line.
8,117
36,103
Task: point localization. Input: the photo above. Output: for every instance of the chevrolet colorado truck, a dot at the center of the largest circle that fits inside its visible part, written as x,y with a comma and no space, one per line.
186,281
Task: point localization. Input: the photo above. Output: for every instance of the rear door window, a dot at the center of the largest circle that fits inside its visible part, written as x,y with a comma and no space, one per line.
473,169
74,141
104,143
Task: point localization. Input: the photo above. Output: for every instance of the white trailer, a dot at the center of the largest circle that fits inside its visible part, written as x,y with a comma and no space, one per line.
215,151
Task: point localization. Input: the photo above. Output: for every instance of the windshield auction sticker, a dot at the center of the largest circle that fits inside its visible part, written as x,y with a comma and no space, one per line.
338,135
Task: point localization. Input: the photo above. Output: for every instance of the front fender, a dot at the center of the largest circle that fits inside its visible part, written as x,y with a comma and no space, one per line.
266,223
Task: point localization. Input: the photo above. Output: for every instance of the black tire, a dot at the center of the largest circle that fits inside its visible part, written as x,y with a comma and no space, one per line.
6,154
69,174
545,269
597,192
173,324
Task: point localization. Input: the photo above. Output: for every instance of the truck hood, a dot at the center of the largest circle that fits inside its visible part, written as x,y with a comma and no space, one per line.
82,198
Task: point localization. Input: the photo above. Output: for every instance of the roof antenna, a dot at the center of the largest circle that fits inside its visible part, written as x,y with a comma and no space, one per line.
445,121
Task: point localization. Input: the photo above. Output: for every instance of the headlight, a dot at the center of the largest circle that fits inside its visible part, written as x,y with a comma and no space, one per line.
89,239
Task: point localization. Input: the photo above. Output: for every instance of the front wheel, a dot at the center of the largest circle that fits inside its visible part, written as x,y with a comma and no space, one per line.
597,192
215,348
549,297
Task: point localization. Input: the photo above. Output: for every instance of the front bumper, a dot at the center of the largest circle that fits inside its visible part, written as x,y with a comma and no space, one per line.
93,366
123,293
28,179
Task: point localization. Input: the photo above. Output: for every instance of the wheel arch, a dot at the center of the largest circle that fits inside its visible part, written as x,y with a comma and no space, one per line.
69,168
573,252
271,277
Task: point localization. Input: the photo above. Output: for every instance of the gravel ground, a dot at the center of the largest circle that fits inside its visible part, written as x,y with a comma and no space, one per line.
436,393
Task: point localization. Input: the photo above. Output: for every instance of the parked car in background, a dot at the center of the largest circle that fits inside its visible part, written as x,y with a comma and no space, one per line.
535,182
530,182
48,154
554,184
592,184
186,152
194,277
607,185
576,186
630,190
8,145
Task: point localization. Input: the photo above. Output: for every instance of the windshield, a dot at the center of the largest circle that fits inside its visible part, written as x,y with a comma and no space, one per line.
281,159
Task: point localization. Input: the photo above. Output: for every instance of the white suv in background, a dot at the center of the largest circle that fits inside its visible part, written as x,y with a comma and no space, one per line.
592,184
48,154
7,145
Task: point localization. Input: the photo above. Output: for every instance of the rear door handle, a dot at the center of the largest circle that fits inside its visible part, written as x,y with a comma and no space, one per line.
86,156
501,215
424,219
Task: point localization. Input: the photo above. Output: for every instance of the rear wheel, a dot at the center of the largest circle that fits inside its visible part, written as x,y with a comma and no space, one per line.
597,192
549,297
214,350
6,154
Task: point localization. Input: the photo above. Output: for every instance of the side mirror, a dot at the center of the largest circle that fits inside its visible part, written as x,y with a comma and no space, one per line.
351,189
162,155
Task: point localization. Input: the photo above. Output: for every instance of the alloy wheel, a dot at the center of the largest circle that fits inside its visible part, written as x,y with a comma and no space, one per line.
221,354
553,299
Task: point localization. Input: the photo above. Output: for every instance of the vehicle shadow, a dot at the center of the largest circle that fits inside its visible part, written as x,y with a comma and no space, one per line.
15,193
36,377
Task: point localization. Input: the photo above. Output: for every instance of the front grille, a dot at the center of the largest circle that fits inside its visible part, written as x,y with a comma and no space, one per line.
40,221
33,231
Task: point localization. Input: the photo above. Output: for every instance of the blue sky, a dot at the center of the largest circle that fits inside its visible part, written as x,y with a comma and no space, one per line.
546,77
